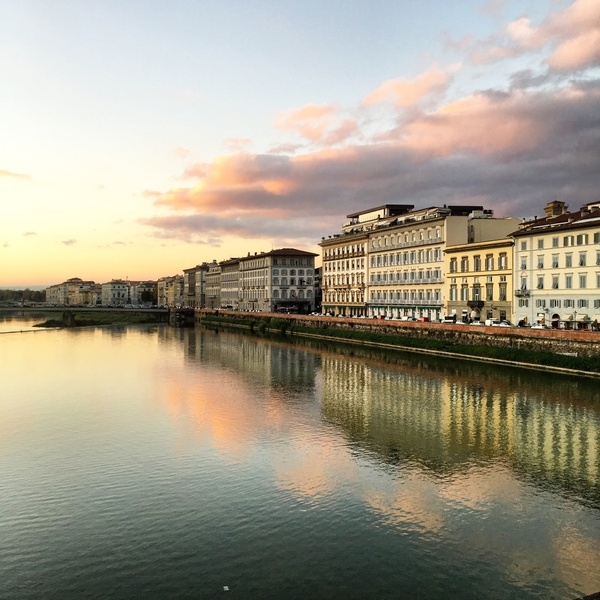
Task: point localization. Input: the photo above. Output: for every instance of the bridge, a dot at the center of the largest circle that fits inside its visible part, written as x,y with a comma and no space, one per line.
68,313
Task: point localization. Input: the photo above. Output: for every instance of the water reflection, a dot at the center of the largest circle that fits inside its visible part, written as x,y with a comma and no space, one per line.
308,469
444,417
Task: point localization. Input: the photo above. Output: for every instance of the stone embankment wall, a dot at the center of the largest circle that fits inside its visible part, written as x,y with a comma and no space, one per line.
579,343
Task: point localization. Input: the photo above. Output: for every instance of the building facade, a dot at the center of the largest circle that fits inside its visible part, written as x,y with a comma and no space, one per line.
230,289
213,286
115,293
281,280
557,267
479,281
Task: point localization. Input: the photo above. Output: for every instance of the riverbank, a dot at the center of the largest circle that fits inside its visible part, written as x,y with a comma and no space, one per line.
571,352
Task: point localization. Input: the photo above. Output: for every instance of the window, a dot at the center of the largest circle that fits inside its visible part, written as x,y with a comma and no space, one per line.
554,303
582,259
540,283
453,263
555,242
523,263
540,262
568,240
489,291
569,303
464,293
540,244
555,261
464,264
275,280
502,292
582,239
568,261
554,282
489,262
524,245
582,303
568,281
583,281
502,261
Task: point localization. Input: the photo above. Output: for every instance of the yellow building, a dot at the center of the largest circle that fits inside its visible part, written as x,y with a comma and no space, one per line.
479,281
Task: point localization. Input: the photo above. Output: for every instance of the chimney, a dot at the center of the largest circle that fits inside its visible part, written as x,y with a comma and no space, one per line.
555,209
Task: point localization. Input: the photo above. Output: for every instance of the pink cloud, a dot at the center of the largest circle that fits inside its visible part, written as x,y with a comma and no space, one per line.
509,150
180,152
573,33
577,53
409,92
318,123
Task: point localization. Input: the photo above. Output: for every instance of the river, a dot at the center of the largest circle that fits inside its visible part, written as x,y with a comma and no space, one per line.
153,462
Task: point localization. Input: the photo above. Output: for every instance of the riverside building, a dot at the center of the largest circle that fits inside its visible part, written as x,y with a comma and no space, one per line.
281,280
557,267
398,267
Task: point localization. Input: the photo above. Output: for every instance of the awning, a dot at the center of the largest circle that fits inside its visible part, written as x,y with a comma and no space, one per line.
583,318
567,317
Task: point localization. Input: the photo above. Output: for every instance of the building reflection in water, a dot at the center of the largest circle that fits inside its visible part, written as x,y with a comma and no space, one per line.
444,415
450,451
545,427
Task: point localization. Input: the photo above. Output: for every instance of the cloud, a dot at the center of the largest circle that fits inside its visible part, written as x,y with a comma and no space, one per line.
572,33
6,245
29,233
4,173
317,123
410,92
69,242
509,148
238,144
180,152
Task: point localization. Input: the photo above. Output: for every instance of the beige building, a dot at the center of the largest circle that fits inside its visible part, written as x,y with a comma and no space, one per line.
344,273
115,293
170,290
213,286
557,267
194,290
230,288
74,292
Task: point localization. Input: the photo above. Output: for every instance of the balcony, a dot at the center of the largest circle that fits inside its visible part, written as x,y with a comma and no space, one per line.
523,293
475,304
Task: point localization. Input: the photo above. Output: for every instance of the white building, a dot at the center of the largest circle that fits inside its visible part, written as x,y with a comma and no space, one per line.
557,267
115,293
279,280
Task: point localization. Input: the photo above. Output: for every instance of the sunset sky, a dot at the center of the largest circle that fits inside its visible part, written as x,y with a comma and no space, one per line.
142,137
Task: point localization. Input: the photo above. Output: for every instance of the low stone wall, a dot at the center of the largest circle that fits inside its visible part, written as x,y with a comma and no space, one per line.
579,343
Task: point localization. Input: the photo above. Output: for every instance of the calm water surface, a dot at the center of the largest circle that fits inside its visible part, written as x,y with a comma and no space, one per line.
151,462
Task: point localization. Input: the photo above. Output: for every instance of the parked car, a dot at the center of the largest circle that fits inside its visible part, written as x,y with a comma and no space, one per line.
502,324
540,326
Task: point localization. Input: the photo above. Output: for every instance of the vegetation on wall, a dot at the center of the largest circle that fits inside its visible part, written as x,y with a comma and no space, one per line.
511,354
